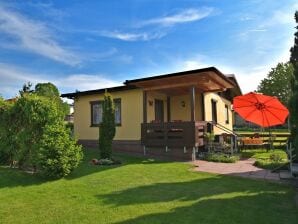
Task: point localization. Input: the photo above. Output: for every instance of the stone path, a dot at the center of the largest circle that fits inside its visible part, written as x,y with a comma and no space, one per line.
242,168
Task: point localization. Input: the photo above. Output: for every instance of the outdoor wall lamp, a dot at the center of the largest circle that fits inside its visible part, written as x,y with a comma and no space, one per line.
182,103
150,102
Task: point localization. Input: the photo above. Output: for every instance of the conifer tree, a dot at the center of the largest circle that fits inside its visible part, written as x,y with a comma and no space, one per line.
293,104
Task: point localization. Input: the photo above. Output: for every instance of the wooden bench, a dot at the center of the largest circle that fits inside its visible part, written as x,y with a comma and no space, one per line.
253,143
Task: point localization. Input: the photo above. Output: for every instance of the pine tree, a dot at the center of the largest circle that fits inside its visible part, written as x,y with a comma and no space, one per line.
293,104
107,128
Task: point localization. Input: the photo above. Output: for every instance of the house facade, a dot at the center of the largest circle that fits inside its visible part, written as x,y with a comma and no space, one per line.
166,114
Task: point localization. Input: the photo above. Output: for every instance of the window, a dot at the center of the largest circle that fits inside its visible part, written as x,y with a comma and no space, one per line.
214,110
96,112
117,105
227,114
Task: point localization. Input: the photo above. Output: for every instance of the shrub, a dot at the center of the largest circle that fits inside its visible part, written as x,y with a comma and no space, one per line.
268,164
273,161
275,157
107,128
7,138
32,132
221,157
58,154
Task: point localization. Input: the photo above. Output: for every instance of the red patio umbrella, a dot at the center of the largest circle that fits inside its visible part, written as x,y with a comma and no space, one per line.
260,109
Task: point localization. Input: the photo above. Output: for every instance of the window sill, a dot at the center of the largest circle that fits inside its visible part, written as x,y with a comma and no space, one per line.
98,125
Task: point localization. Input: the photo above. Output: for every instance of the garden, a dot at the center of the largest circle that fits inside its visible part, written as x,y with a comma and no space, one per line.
142,191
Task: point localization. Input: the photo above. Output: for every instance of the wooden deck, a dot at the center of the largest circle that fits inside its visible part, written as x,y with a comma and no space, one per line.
174,134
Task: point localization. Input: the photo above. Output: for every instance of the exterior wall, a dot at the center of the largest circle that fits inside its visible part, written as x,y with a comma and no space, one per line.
178,112
151,96
131,116
221,117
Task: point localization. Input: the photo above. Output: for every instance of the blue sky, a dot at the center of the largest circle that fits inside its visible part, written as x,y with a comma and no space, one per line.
81,45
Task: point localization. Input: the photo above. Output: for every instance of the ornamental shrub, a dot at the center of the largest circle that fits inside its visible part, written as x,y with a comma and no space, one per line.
7,137
32,133
107,128
58,154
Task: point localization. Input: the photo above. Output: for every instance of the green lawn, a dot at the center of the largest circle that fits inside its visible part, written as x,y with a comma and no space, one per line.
142,191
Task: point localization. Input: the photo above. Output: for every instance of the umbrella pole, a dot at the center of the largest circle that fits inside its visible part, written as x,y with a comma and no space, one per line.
270,140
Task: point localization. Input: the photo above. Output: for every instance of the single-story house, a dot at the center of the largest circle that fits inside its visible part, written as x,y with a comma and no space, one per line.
165,114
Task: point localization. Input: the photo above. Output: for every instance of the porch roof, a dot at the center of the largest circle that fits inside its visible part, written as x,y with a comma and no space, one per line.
205,80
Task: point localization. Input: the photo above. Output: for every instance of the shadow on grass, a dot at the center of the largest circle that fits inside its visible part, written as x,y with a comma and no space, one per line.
211,200
12,177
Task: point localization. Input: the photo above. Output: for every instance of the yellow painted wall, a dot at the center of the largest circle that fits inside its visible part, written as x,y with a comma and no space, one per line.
151,96
132,112
221,117
178,112
131,116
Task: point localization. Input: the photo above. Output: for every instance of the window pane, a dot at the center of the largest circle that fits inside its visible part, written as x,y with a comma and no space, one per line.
117,104
97,113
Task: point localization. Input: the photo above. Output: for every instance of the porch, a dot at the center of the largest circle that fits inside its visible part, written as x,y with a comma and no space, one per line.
175,113
174,134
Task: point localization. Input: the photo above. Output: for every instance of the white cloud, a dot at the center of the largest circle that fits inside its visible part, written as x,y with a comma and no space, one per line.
12,78
83,82
185,16
34,36
126,36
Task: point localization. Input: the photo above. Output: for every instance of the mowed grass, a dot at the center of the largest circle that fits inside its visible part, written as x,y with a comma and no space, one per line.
142,191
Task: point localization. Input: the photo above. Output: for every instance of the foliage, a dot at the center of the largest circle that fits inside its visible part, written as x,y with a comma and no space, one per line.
107,128
32,114
7,137
277,82
293,103
221,157
269,164
33,133
26,89
50,91
265,159
58,154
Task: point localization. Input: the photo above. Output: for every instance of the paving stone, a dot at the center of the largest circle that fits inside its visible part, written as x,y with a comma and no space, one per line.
285,175
242,168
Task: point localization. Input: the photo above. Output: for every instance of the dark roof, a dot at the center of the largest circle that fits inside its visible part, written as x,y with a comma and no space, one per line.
129,83
233,78
97,91
208,69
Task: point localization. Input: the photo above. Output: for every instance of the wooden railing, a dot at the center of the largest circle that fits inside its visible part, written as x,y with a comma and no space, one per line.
173,134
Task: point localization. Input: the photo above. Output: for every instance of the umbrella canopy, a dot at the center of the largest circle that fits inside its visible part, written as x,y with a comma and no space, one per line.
260,109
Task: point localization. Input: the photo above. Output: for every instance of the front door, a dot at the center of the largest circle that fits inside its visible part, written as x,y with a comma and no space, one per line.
159,114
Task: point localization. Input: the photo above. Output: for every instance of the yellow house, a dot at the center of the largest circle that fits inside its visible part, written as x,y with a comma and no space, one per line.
166,114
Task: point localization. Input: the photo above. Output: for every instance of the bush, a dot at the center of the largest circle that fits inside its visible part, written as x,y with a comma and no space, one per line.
107,128
268,164
58,154
7,137
220,157
33,134
274,160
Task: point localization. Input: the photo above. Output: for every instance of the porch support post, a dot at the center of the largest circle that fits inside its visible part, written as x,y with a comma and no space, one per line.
168,108
144,107
192,103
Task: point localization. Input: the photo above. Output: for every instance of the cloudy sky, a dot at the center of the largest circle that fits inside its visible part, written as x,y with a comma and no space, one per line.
82,45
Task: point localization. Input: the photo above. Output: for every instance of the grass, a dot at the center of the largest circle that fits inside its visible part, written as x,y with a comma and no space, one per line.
266,159
142,191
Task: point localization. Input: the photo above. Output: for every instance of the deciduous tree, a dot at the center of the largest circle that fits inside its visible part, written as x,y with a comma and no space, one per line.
277,82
